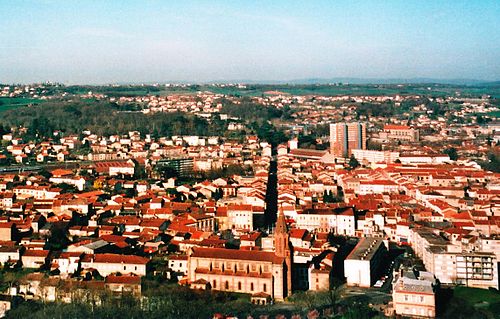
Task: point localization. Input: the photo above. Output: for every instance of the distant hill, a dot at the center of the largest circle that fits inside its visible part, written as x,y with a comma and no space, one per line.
495,84
357,81
390,81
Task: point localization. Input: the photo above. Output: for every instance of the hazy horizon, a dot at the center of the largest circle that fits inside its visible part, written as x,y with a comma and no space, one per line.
108,42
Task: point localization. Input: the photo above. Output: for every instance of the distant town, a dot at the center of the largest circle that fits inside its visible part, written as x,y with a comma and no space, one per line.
250,201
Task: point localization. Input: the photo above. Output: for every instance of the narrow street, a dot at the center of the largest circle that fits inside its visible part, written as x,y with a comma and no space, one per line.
271,212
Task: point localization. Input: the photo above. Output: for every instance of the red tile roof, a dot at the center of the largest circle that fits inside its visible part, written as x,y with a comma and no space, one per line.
232,254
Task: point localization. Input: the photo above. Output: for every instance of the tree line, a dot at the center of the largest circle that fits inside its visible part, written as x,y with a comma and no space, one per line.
104,118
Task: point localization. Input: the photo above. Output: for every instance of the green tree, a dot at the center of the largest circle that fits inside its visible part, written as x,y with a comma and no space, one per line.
452,153
353,162
218,194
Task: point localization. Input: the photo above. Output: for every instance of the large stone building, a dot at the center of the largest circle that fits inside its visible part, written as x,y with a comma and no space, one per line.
245,271
400,133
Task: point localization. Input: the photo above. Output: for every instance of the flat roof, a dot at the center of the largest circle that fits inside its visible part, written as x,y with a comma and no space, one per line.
431,237
365,249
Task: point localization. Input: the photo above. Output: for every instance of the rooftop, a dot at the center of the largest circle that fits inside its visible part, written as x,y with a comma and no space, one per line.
365,249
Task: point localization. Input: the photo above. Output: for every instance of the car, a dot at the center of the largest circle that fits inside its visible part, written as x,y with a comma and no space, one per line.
379,284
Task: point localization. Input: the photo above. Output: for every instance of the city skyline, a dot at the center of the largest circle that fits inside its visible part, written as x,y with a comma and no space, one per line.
249,159
147,42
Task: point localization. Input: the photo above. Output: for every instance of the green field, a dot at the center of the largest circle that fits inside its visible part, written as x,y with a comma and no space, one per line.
9,103
333,90
483,303
476,295
494,114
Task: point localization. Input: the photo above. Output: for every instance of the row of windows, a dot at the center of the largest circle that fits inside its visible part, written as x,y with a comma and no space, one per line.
226,286
238,267
125,268
414,298
401,133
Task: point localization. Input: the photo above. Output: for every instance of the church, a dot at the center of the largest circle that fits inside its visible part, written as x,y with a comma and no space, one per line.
260,273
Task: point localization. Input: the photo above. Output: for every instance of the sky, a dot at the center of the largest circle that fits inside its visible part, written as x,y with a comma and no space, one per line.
98,42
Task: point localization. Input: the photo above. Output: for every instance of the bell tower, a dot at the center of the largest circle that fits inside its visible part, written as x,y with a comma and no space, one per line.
283,249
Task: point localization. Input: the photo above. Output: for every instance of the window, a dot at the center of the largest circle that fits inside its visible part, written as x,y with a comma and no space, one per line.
264,287
251,286
124,267
214,284
239,285
226,285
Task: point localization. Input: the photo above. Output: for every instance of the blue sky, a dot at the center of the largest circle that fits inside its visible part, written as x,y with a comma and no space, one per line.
161,41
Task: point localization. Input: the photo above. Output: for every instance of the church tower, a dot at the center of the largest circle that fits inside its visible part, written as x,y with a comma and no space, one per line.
283,249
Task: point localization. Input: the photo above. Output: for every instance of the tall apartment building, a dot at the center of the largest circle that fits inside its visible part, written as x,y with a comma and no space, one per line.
344,137
181,165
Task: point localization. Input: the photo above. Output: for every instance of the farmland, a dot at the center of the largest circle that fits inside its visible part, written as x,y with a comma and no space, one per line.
7,103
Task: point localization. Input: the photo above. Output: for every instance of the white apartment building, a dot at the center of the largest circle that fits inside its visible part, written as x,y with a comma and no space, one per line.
240,217
453,265
377,187
371,156
340,220
107,264
362,265
37,192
